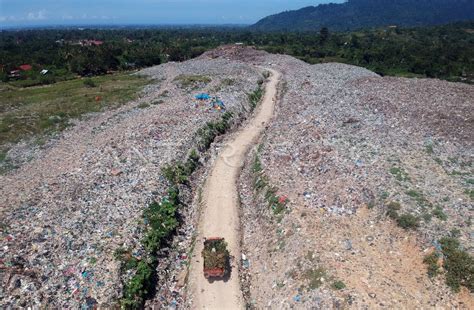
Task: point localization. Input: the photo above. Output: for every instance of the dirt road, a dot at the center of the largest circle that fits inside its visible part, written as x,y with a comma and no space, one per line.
220,214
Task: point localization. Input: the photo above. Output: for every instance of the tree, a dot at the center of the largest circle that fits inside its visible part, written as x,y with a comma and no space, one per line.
324,34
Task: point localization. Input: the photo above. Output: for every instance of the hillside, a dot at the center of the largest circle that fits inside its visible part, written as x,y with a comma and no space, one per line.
356,14
355,180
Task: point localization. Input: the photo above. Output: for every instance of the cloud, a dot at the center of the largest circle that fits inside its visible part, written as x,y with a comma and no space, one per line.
40,15
9,19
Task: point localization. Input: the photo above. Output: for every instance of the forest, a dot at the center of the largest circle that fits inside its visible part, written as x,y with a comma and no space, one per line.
360,14
444,52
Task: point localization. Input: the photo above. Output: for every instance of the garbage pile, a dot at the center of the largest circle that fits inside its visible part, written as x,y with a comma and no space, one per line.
81,197
345,144
235,52
213,101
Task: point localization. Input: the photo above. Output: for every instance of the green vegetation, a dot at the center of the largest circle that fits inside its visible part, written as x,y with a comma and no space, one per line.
406,221
429,148
211,130
384,195
338,285
179,173
441,51
192,81
418,197
439,213
126,259
399,174
470,193
455,233
157,102
42,110
262,185
356,14
315,277
427,217
392,209
140,286
162,219
431,261
459,265
143,105
89,83
227,82
255,97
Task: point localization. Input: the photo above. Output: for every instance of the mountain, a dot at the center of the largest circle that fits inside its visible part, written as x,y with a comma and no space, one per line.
356,14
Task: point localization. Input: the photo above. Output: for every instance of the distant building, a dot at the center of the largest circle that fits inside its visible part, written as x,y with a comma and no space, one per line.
14,74
90,42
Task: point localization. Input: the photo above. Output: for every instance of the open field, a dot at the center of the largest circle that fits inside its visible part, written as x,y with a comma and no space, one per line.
35,111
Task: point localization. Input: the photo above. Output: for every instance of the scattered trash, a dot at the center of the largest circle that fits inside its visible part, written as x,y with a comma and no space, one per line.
282,199
245,261
348,245
115,172
202,96
87,201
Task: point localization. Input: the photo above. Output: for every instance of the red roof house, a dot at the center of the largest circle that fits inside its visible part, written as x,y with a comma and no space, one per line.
25,67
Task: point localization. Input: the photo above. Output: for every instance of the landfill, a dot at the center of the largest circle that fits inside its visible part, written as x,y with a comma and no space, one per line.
81,196
344,144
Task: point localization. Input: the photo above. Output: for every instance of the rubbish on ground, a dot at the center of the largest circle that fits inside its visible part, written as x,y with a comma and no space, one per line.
202,96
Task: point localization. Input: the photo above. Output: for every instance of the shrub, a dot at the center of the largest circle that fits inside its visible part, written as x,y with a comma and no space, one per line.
143,105
392,209
315,277
399,174
227,82
339,285
175,173
211,130
139,287
439,213
459,265
418,197
193,162
431,260
255,97
89,83
408,221
192,81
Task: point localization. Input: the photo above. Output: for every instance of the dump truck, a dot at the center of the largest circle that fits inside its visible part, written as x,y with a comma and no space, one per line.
216,258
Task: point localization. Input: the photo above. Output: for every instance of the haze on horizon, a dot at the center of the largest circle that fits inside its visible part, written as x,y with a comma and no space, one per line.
17,13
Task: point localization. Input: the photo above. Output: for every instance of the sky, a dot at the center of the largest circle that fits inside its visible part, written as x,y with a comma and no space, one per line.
75,12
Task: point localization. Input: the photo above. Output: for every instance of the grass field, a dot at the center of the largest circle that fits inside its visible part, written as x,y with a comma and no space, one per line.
36,111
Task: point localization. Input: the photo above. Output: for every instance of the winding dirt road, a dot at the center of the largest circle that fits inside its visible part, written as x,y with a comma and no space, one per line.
220,214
